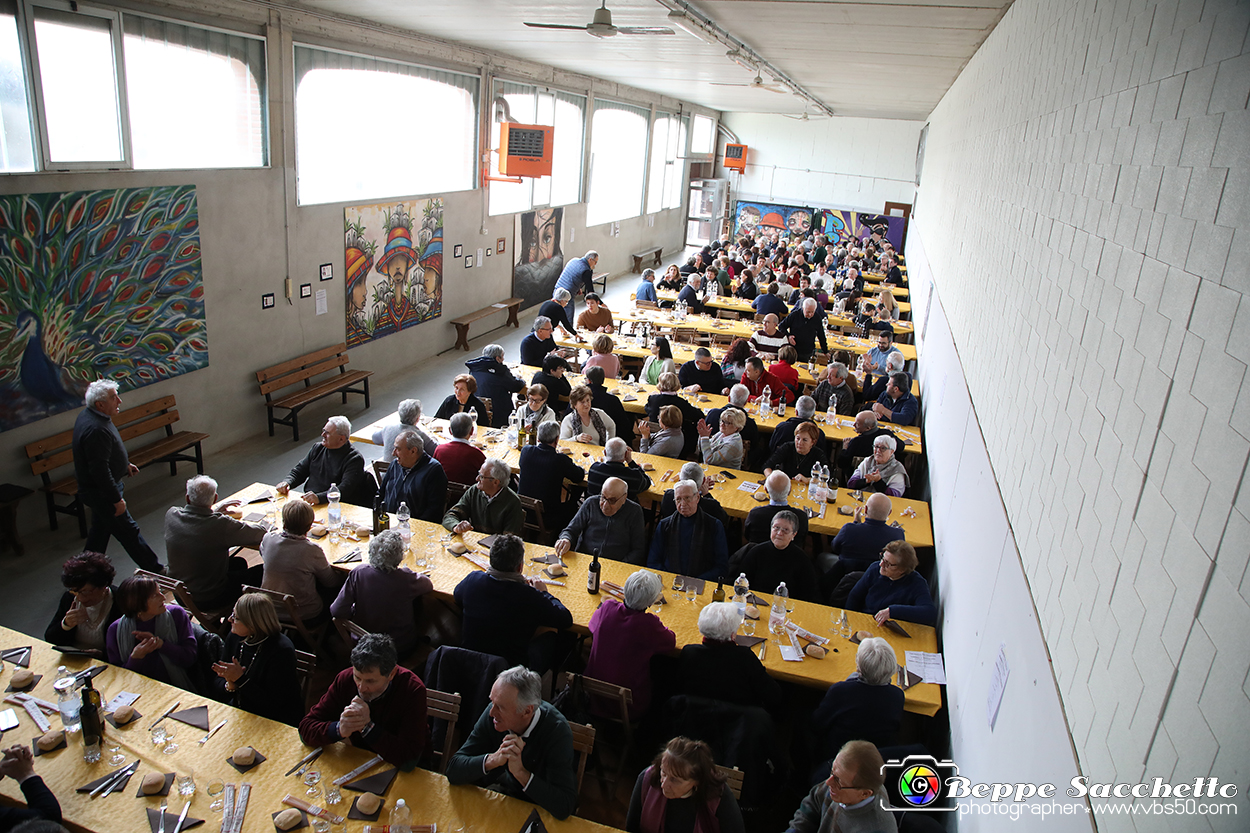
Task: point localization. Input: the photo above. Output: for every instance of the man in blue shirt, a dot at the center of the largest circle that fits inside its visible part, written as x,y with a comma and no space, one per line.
897,405
646,289
578,276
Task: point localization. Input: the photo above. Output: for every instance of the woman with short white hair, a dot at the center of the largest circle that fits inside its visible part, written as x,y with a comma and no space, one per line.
705,668
626,637
724,448
379,595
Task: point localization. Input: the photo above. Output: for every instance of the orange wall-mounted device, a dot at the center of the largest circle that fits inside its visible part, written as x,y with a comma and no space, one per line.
736,157
525,149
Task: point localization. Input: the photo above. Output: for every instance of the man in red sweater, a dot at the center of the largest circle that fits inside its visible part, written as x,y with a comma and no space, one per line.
458,457
376,704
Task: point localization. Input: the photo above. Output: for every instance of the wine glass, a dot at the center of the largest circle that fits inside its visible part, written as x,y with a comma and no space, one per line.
658,604
171,744
215,789
312,779
158,735
691,592
116,758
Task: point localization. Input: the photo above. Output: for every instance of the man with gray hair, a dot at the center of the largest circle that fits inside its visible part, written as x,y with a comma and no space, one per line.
859,543
579,276
758,526
833,393
490,506
646,288
409,420
520,746
894,363
100,464
690,294
556,310
414,478
332,461
198,539
495,382
804,327
544,472
693,472
611,526
804,411
538,344
617,462
690,541
459,458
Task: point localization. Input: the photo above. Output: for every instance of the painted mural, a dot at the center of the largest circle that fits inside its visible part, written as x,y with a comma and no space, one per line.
750,217
539,259
96,284
394,267
835,222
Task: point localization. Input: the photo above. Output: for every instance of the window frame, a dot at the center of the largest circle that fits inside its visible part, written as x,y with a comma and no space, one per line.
492,134
702,155
640,207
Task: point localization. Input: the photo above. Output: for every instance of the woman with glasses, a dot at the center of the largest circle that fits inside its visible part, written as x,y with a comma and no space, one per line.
535,411
256,671
882,472
892,589
88,606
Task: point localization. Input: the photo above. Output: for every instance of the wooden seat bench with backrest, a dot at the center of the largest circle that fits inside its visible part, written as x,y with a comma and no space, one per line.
653,252
512,305
56,451
301,370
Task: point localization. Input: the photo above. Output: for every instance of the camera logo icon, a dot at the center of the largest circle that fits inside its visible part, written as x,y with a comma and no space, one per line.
919,782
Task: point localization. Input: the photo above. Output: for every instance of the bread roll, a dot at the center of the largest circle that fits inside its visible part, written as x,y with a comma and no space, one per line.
153,783
457,547
369,803
318,530
815,651
123,714
244,756
752,612
555,570
22,678
51,740
287,819
862,635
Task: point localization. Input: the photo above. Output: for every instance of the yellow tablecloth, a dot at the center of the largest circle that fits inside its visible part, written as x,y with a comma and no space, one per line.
432,799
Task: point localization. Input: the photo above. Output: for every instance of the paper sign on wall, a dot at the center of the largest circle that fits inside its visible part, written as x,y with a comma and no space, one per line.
998,683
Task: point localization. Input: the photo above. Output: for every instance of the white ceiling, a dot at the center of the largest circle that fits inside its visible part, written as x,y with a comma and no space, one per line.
876,58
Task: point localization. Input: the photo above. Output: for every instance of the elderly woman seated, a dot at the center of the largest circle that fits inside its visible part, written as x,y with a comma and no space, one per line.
682,792
381,596
534,411
882,472
584,423
721,669
797,458
626,637
464,400
725,447
256,671
296,565
892,589
88,606
152,638
669,440
779,559
409,419
864,706
603,357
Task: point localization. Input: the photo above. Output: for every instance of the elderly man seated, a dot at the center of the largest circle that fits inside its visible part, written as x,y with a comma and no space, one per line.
538,344
834,393
759,522
864,706
490,505
703,374
881,472
689,295
376,704
544,471
892,589
332,461
520,746
495,382
617,462
409,420
756,380
853,797
611,526
859,543
721,669
415,478
458,456
781,558
646,288
690,541
198,541
503,608
894,363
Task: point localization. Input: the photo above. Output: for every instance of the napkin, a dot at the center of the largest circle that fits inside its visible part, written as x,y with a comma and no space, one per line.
86,788
748,641
378,783
196,716
171,819
17,656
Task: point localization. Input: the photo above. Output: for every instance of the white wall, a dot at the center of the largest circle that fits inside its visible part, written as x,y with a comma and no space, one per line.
838,162
1084,207
248,223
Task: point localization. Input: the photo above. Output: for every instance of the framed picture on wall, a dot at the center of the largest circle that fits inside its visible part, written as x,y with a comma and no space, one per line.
468,261
499,246
458,251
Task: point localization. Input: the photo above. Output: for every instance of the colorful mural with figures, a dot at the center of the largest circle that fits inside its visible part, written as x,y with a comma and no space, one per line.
750,217
836,222
394,267
96,284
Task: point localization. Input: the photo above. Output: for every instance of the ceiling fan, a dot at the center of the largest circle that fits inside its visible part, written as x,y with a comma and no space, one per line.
756,83
601,26
806,116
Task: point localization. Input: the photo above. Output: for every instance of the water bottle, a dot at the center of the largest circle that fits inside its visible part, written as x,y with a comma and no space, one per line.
766,401
742,589
403,516
811,483
401,818
777,617
336,508
67,700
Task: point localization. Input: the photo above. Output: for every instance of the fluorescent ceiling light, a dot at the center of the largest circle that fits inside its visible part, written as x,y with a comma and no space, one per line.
691,26
741,60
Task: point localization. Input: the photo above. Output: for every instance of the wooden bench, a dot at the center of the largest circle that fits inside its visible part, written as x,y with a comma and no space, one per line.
302,370
56,451
512,305
653,252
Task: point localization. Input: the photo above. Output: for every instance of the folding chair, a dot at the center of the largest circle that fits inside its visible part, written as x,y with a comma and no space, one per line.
733,776
305,666
583,745
612,696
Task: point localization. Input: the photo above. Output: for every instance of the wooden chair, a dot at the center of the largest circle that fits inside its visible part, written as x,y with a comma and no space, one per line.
534,529
490,408
610,693
305,666
380,468
284,601
723,339
213,620
439,705
733,777
455,491
685,335
583,745
646,305
759,317
727,313
348,631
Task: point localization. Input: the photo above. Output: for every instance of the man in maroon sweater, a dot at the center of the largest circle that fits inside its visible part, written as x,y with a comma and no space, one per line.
376,704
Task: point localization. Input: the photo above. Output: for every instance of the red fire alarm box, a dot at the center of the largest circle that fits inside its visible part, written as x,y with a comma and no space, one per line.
525,149
736,157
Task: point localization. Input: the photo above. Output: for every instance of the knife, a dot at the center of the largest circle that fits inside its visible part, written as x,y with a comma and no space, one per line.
307,759
343,779
108,783
167,713
211,732
182,816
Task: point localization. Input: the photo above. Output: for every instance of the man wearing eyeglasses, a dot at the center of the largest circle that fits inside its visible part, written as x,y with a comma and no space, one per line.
853,797
489,506
611,525
539,344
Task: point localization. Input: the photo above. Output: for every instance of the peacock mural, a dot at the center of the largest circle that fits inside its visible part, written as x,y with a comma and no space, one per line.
96,284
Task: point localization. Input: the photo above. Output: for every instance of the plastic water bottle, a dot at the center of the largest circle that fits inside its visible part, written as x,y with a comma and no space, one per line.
742,589
336,508
811,484
66,700
401,818
777,617
766,401
514,430
403,516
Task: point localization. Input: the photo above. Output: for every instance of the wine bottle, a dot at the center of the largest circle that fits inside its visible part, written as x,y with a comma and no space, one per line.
718,595
592,574
89,714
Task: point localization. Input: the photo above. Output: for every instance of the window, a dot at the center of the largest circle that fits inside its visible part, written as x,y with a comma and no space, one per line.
668,145
213,81
367,128
618,162
704,138
527,104
17,148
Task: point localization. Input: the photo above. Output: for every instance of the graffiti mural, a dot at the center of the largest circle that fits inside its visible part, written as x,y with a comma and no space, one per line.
96,284
394,267
750,217
836,222
539,259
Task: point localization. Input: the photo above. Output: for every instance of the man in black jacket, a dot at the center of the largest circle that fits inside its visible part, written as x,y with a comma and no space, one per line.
100,463
332,461
495,382
805,327
543,472
415,478
617,462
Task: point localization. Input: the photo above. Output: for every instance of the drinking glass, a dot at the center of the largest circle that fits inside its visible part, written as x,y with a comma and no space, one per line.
320,825
158,734
116,758
333,795
748,626
691,595
215,789
186,784
312,778
171,744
